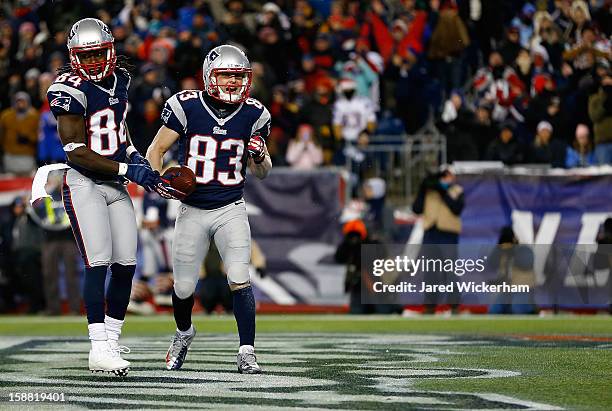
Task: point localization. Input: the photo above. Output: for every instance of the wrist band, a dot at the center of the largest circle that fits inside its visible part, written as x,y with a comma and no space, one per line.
72,146
123,168
130,150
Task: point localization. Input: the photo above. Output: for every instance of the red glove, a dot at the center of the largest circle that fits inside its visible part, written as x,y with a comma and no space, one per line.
165,190
257,148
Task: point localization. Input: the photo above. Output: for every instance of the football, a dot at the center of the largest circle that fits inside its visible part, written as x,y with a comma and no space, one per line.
181,178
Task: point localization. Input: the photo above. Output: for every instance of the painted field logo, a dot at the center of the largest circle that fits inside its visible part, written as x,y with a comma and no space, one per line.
301,370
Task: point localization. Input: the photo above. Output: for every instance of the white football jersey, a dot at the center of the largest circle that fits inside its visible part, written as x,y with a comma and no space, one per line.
353,115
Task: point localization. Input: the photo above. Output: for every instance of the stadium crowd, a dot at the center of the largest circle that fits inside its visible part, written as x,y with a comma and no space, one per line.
507,80
515,81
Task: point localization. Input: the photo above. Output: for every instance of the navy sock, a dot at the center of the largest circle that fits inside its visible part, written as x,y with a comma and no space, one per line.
244,311
182,311
119,290
93,293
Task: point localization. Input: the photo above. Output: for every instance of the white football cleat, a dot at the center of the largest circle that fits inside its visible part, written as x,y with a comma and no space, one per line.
246,361
104,357
175,357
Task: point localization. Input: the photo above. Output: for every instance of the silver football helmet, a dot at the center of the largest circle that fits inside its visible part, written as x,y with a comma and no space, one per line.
227,74
92,49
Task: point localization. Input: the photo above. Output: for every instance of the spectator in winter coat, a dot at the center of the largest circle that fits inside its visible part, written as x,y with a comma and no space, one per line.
505,148
19,135
545,149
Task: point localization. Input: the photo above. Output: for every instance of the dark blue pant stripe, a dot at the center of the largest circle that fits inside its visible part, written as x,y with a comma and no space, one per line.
74,222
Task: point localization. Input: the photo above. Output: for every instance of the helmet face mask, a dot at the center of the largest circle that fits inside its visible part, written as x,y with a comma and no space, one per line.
87,37
230,85
227,74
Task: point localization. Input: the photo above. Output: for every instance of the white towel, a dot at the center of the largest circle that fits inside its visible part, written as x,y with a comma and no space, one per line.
40,180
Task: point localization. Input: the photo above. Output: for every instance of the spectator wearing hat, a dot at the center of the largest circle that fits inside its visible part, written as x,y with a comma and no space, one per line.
19,135
600,112
505,147
352,113
358,70
580,153
349,253
545,149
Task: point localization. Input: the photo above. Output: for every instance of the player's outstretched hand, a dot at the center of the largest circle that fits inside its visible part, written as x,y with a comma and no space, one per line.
165,190
257,148
142,175
137,158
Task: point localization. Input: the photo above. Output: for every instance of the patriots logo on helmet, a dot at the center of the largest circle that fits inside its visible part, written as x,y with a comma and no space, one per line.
213,55
62,102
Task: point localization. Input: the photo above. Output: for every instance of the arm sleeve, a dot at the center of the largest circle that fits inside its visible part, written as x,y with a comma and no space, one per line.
262,125
64,99
173,115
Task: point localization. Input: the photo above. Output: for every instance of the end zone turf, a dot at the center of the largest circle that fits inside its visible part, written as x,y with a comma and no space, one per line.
327,362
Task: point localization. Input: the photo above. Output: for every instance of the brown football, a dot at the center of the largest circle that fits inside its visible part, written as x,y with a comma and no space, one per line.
181,178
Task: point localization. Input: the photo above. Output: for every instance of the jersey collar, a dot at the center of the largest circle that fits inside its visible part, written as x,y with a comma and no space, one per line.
220,121
110,91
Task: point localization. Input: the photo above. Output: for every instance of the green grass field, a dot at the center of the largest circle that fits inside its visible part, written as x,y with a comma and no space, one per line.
325,362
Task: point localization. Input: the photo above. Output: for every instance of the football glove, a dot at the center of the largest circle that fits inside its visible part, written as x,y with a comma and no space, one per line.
142,175
165,190
257,148
137,158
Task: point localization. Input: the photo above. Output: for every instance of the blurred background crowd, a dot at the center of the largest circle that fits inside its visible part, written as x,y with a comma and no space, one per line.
508,80
503,80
